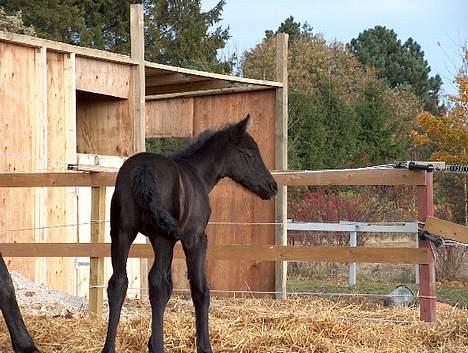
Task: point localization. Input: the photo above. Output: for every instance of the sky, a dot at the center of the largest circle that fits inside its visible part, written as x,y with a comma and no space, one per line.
439,26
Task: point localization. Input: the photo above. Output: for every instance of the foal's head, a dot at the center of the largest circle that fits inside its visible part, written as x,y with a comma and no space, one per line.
244,163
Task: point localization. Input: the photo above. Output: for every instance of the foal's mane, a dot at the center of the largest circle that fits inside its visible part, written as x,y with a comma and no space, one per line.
198,142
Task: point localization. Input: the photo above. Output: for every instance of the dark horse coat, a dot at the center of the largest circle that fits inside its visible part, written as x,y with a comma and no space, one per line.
20,338
166,199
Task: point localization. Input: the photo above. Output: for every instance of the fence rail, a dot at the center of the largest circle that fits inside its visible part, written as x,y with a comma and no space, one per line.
291,178
229,252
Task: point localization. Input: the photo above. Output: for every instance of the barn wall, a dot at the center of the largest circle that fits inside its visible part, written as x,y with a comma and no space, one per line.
21,108
230,202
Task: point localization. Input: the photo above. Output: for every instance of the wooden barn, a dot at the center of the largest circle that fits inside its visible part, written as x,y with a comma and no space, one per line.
63,105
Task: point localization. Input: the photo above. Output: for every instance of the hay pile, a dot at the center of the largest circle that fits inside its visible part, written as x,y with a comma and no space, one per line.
263,325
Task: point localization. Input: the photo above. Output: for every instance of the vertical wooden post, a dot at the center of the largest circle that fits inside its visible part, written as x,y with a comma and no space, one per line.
427,290
39,135
96,271
352,265
281,159
138,74
137,37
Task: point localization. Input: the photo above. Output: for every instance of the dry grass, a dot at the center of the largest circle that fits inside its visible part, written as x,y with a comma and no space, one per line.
263,325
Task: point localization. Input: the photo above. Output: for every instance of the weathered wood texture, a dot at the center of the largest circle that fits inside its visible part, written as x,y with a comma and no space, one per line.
61,202
446,229
101,77
21,107
169,118
224,253
104,125
96,267
105,176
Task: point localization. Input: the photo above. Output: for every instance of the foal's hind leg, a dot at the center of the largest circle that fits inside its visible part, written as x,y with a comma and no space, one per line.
118,283
20,338
195,253
160,289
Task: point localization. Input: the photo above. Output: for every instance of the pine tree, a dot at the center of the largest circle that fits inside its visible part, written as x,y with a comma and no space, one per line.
177,32
401,64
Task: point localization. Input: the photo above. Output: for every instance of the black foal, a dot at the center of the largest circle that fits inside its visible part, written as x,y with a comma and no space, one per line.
166,199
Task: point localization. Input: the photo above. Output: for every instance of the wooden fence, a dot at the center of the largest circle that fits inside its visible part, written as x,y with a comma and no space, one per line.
97,250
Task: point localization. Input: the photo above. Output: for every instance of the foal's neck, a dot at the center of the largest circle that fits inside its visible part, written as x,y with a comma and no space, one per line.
211,166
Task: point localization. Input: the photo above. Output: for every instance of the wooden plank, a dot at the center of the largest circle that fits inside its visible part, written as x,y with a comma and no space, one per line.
166,68
207,92
170,79
446,229
28,41
39,133
281,157
335,177
189,86
96,269
137,100
169,118
22,104
101,77
258,253
138,75
61,147
427,288
351,177
24,180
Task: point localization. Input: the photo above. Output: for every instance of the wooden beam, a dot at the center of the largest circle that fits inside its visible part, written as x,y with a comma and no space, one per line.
292,178
168,69
229,252
104,78
56,179
281,158
138,99
170,79
446,229
96,269
137,37
351,177
207,92
60,47
189,86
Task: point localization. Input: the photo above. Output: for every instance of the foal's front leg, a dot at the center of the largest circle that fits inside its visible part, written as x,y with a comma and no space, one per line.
195,253
160,289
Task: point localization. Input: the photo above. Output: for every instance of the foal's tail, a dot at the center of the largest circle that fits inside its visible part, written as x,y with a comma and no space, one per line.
145,191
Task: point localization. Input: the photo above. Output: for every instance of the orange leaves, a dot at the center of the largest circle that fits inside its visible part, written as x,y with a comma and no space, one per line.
447,135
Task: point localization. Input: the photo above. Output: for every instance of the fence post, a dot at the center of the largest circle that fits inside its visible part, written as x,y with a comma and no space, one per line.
427,290
352,265
281,160
96,270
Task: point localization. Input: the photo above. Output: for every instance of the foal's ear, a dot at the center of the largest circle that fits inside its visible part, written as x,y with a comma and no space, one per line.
244,124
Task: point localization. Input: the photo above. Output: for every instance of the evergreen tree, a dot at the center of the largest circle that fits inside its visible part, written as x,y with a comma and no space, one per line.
14,23
341,114
400,64
177,32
